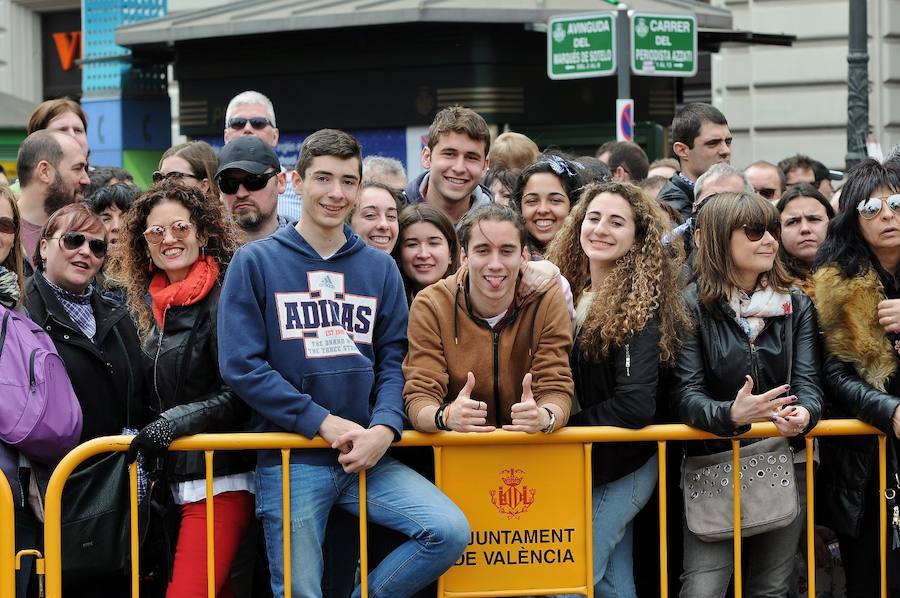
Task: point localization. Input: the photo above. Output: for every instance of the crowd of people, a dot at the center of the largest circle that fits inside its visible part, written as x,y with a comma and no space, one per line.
506,287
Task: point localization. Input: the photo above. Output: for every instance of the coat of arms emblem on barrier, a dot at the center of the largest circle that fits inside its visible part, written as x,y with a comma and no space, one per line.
512,498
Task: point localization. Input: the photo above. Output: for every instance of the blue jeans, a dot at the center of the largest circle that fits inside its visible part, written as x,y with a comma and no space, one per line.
615,505
398,498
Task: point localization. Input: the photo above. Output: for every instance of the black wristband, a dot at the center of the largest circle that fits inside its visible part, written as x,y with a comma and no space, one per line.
439,418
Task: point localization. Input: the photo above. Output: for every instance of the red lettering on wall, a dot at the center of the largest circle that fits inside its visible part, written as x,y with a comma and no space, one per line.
68,46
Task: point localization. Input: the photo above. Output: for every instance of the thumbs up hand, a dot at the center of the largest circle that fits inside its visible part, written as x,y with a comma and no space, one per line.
526,415
466,414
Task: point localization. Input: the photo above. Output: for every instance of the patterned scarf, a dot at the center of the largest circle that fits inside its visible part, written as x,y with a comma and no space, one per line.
195,286
78,307
751,311
9,288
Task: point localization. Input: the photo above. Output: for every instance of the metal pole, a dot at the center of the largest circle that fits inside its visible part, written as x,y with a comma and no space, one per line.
623,61
857,84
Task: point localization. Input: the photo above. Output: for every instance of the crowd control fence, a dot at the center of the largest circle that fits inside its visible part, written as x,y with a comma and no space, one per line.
527,498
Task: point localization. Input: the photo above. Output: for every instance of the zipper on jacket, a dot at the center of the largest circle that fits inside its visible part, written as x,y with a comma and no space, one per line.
156,362
31,382
627,359
496,336
754,371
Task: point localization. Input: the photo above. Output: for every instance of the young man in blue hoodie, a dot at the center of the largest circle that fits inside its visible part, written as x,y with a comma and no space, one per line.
312,334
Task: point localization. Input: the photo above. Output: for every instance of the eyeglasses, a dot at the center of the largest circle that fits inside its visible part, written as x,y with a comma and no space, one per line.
180,230
72,241
159,176
766,192
251,182
869,208
7,225
755,232
257,122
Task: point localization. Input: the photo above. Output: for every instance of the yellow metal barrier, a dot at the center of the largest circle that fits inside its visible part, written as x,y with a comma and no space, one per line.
209,443
7,540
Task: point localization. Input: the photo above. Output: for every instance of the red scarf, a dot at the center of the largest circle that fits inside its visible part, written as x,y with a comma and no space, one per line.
196,285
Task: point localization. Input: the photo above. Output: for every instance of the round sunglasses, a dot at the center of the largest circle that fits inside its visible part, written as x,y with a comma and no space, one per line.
251,182
156,234
869,208
755,232
73,241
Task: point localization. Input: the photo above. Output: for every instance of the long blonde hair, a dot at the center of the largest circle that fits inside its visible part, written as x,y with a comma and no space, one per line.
642,283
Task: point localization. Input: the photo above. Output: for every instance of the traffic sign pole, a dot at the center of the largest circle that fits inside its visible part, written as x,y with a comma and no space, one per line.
622,49
624,103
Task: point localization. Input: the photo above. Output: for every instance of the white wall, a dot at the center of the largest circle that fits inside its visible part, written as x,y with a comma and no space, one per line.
20,51
784,100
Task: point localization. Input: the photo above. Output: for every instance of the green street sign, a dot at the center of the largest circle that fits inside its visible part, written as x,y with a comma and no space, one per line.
663,45
581,46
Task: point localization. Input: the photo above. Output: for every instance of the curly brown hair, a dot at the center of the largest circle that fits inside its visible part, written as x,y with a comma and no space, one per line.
643,282
134,269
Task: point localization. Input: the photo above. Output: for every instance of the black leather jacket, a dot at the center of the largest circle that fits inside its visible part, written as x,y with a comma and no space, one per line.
621,391
716,355
678,194
182,374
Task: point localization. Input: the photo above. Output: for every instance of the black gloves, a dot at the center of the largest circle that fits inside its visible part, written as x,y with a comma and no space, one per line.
152,441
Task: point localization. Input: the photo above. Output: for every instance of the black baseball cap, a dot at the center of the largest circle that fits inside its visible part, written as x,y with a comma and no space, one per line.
248,153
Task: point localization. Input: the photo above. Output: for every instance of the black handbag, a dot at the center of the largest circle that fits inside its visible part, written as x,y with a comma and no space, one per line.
96,526
96,510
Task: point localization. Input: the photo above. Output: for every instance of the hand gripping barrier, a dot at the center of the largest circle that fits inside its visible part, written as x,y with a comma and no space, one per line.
510,499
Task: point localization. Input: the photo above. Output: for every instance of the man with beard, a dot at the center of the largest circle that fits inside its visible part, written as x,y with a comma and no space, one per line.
250,180
52,170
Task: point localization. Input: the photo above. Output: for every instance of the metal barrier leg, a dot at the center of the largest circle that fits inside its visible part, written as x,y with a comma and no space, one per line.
882,504
135,540
810,521
286,517
363,538
736,483
7,541
663,523
210,528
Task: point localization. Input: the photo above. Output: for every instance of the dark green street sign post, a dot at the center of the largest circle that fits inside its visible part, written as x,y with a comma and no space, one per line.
581,46
663,45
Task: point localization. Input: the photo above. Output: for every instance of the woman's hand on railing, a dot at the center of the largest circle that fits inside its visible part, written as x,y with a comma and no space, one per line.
749,408
791,421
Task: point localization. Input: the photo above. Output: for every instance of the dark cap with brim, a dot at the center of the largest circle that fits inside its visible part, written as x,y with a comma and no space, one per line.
249,154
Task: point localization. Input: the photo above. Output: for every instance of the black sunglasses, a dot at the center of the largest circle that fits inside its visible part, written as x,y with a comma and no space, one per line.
7,225
72,241
755,232
257,122
159,176
251,182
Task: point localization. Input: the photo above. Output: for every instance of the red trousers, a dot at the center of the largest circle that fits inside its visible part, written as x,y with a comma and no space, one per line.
233,512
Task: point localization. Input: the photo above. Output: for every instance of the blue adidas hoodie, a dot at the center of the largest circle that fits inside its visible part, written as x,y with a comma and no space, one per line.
301,337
